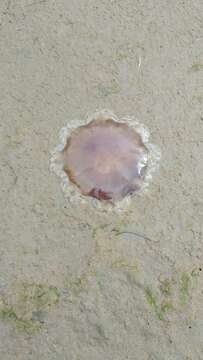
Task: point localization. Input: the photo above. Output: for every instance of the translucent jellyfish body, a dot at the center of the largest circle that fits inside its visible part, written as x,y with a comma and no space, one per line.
104,158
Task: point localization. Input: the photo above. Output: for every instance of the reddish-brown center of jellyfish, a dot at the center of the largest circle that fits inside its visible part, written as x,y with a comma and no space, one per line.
105,159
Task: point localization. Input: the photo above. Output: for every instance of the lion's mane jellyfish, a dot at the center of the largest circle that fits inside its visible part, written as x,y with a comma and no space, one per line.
105,158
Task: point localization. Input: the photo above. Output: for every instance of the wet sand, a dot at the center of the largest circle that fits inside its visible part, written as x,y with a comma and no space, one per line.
77,283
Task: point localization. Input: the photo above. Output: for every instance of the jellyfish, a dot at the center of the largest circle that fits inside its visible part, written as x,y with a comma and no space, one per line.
106,158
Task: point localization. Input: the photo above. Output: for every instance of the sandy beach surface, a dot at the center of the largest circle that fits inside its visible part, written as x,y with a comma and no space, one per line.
77,283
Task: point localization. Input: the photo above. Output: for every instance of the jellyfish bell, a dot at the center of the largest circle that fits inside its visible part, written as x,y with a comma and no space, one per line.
106,158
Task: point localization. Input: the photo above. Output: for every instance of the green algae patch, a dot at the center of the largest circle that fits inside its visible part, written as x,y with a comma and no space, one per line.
167,306
185,282
161,309
152,301
128,266
166,287
151,298
41,296
125,264
188,282
174,293
8,314
111,88
197,67
77,285
26,305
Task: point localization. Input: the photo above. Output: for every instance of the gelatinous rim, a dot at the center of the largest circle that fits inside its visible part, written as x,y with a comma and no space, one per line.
71,191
